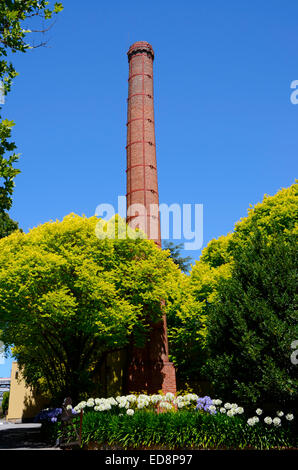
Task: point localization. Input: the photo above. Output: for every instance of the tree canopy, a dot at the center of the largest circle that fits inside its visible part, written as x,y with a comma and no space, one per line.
67,298
175,252
236,310
253,319
188,311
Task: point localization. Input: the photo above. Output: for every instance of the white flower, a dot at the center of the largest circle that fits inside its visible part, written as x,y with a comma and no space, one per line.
130,412
276,421
217,402
119,399
131,398
289,417
239,410
69,407
123,404
165,405
280,413
189,397
178,400
111,401
227,406
82,405
143,401
212,408
141,404
100,407
234,406
193,397
231,412
155,398
253,421
169,396
259,411
223,410
268,420
143,397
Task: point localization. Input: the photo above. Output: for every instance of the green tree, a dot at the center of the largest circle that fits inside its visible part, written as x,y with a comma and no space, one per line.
253,319
67,298
7,175
5,401
7,225
14,38
175,253
188,311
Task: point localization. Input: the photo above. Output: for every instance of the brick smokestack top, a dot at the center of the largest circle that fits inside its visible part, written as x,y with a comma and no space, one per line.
142,186
149,368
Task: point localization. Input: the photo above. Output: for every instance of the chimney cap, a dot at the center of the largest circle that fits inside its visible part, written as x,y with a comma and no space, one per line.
140,46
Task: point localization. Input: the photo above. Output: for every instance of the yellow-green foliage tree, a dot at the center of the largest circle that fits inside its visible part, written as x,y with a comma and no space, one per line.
188,310
67,298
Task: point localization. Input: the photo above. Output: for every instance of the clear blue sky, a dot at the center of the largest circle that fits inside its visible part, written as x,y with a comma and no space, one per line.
226,129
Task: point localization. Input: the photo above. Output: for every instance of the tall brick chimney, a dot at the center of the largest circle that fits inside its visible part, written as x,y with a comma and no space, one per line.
149,368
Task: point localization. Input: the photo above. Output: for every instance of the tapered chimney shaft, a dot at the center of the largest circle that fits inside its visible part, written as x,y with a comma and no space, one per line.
142,186
149,367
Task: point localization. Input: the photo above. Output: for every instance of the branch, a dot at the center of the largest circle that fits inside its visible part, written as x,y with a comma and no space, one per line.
44,30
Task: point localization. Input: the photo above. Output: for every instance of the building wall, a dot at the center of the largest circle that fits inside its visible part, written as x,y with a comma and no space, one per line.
24,404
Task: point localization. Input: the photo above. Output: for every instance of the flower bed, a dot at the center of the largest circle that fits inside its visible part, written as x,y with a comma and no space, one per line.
182,422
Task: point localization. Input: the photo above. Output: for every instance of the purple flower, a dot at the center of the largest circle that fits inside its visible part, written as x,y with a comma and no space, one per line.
50,414
204,403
